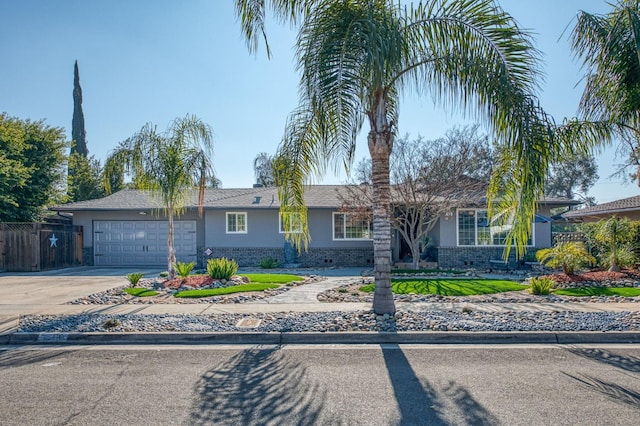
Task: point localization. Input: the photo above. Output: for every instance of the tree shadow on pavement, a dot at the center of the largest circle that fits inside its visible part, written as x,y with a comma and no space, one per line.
612,390
14,357
256,387
628,363
420,403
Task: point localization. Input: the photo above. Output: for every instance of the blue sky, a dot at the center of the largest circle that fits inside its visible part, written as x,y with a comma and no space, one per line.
152,61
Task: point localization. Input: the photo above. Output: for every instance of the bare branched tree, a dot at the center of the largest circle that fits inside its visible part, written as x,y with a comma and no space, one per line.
429,179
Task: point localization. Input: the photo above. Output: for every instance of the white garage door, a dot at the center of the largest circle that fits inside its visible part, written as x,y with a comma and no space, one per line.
141,242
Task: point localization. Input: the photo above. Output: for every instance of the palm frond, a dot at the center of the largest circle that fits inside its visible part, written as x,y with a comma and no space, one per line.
252,15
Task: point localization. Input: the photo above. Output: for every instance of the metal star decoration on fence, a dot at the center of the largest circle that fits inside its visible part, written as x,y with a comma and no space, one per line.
54,240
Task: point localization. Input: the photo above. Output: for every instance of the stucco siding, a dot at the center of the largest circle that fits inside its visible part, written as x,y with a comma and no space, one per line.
321,231
262,229
447,230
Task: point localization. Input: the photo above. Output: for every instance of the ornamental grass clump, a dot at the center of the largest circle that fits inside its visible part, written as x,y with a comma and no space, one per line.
134,277
222,268
268,263
541,286
184,269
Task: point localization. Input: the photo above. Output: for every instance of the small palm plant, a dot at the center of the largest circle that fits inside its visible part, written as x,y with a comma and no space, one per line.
134,277
183,269
568,256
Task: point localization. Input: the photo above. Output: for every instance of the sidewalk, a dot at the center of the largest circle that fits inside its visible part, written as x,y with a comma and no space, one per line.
49,295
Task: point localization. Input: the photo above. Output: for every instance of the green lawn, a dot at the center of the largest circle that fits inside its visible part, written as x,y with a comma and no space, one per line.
140,292
226,290
599,291
426,271
451,287
272,278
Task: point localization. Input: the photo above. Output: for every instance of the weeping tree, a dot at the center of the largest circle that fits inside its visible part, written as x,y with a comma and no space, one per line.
358,57
170,164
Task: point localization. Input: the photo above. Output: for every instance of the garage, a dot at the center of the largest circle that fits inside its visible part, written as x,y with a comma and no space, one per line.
141,242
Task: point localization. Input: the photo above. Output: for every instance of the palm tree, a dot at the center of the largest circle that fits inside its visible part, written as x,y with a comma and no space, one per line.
169,164
609,46
357,57
263,169
616,233
569,256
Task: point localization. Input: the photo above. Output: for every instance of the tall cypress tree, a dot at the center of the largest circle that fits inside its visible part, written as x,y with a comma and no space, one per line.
78,133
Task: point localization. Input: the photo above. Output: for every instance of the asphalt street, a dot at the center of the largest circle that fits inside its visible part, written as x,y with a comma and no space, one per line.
327,384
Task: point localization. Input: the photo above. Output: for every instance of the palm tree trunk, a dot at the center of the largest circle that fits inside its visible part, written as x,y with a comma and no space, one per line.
380,149
171,251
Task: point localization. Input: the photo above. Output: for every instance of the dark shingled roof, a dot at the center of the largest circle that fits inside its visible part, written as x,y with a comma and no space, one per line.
316,196
618,206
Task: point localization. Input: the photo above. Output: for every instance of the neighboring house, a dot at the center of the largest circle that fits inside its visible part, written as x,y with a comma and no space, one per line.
626,207
128,229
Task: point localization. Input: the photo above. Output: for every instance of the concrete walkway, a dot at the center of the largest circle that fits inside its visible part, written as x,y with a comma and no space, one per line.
47,293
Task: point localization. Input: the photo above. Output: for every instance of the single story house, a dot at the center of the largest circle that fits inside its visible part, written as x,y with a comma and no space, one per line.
626,207
127,228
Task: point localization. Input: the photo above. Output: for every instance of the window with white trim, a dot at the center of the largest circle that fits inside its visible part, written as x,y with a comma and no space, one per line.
475,229
351,227
290,223
236,223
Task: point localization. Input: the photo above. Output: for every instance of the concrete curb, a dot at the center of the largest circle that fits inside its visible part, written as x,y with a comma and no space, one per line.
195,338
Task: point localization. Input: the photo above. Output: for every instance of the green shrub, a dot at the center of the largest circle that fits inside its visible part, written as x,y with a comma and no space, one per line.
568,256
623,257
222,268
184,269
616,234
268,263
613,241
163,274
541,286
134,277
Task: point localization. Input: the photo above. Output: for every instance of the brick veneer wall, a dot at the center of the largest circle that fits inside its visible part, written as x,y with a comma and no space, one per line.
315,257
352,257
246,256
474,257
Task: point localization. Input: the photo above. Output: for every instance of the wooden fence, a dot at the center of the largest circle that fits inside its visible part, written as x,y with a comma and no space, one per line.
32,247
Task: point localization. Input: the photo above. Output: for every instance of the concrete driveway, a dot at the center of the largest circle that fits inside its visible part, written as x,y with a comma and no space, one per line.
62,285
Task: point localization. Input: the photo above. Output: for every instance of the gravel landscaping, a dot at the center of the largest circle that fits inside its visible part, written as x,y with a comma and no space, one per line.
339,322
407,318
